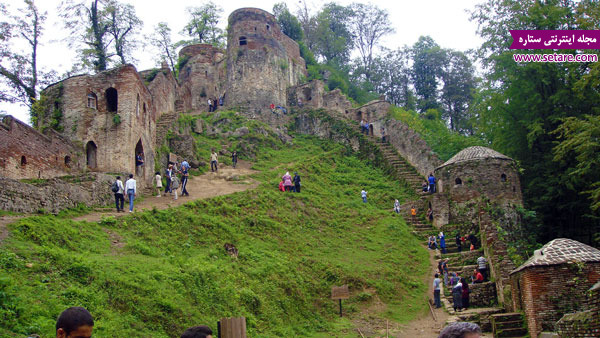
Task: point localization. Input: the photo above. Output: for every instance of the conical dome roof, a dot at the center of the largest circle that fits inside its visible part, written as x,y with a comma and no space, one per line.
475,153
559,251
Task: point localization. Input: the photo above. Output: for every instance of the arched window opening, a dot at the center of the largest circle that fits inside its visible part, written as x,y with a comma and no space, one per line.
243,41
90,150
144,108
92,100
137,105
458,181
139,158
268,27
23,161
68,161
503,177
112,100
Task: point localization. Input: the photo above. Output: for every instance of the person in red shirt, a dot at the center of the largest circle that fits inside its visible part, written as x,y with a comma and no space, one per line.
272,106
477,276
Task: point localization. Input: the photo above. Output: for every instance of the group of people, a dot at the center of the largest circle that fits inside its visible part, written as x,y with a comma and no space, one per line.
289,183
119,190
274,108
77,322
461,241
365,126
213,104
459,285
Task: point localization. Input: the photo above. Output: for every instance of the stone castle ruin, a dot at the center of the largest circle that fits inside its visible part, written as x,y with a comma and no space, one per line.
94,124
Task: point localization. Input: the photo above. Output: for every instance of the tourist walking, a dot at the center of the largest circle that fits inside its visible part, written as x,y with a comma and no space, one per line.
458,242
119,200
363,194
473,240
287,181
185,174
465,293
174,185
457,296
214,161
436,291
413,214
397,207
209,105
431,180
158,183
296,181
445,270
234,158
430,215
442,242
131,189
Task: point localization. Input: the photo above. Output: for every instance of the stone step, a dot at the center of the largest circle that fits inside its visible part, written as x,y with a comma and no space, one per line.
512,333
507,317
508,325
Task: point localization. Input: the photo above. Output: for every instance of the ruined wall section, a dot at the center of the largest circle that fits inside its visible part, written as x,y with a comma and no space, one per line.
109,131
202,77
262,62
27,153
164,89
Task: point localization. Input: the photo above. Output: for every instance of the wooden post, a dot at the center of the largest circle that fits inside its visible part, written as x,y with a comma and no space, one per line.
232,327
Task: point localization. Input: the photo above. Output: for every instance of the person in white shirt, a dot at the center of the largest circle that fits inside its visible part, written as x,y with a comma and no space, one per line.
130,187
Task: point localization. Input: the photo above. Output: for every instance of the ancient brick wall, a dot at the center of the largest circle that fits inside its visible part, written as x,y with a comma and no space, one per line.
27,153
309,94
261,61
107,145
202,77
164,90
56,194
546,293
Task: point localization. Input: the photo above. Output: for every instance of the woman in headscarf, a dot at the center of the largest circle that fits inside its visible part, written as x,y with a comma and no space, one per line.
457,296
397,207
465,293
287,181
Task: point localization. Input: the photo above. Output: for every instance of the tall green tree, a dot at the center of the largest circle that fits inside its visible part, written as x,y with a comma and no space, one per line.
19,71
289,24
369,24
203,25
161,40
391,76
428,59
524,104
457,93
333,35
123,26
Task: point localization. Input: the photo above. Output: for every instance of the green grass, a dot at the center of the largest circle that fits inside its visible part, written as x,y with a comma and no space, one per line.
443,141
173,272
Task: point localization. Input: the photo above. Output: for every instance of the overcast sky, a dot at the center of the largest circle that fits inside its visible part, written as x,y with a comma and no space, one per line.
447,22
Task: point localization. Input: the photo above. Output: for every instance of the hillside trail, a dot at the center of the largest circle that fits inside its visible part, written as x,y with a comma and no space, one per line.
226,181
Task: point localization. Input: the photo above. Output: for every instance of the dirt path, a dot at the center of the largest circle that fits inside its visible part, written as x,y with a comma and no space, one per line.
226,181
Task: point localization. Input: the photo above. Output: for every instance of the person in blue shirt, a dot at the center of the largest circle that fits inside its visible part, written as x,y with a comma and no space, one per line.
185,167
431,180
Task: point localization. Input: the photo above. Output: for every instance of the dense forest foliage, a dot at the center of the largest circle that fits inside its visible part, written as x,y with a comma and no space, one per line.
544,115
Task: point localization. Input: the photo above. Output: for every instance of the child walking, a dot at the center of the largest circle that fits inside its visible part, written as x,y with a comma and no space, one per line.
158,183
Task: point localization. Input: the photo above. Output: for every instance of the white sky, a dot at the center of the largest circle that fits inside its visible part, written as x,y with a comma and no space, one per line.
447,22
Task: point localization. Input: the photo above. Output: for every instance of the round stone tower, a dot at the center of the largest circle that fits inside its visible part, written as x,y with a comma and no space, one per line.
262,62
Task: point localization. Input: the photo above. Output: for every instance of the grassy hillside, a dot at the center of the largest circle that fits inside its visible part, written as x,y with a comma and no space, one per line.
168,269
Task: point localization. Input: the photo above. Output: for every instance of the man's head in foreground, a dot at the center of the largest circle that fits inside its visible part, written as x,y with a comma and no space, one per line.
74,322
197,332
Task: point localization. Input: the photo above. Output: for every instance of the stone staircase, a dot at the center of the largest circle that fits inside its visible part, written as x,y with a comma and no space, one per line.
404,169
508,325
163,125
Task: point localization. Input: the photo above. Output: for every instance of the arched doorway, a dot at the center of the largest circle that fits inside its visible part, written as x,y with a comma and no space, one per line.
112,100
91,149
371,129
140,159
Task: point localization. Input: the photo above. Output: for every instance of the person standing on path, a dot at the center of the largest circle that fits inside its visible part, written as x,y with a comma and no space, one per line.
214,161
465,293
458,242
413,214
168,175
431,180
131,189
185,167
445,270
457,296
209,105
158,183
234,158
397,207
296,181
482,264
287,181
442,242
119,199
436,291
174,185
363,193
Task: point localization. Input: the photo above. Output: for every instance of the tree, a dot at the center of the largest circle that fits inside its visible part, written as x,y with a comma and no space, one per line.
161,39
308,22
457,93
369,24
88,26
289,24
19,71
122,25
333,37
391,76
428,59
202,26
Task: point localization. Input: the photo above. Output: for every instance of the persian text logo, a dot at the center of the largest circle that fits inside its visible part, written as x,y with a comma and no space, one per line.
555,39
526,58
